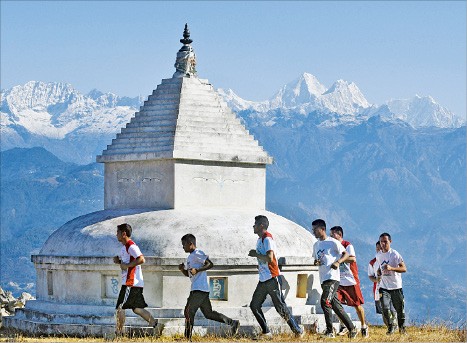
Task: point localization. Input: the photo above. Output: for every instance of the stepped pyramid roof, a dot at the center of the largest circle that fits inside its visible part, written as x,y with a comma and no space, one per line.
185,118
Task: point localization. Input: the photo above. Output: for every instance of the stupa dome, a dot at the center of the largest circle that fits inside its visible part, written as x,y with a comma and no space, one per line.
222,233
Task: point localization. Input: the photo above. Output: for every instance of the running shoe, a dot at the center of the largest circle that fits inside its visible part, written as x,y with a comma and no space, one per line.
328,334
353,333
365,333
343,331
300,334
234,327
391,330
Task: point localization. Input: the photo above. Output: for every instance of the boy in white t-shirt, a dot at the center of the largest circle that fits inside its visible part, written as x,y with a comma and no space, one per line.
131,293
390,267
195,268
269,282
329,253
372,275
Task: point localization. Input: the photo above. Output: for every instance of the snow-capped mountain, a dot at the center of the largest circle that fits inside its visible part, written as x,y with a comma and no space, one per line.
342,103
306,94
236,103
343,98
301,91
58,117
423,112
54,110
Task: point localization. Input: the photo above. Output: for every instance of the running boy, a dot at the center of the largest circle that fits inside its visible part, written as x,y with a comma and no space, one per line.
268,269
131,293
391,266
195,268
329,254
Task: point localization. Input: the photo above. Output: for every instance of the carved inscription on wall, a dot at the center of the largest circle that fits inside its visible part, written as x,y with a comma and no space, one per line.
218,179
138,180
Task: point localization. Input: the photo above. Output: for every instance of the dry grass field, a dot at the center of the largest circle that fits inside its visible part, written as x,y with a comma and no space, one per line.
425,333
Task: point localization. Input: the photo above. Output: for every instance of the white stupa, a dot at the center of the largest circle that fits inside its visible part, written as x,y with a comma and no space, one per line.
183,164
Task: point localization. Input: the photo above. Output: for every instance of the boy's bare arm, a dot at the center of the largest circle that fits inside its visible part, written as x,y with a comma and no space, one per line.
181,267
207,265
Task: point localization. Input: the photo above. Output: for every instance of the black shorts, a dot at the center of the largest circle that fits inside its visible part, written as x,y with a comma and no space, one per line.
131,297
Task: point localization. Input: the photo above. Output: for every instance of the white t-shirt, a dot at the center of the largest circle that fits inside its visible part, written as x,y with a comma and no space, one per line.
267,270
389,278
199,281
328,251
347,276
132,277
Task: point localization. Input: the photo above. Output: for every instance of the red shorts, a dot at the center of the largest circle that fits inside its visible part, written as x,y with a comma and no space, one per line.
350,295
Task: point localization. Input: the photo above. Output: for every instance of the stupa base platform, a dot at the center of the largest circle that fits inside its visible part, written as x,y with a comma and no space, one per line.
39,319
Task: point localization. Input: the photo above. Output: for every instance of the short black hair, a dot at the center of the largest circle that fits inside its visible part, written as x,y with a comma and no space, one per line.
189,238
338,229
385,234
125,228
262,220
319,223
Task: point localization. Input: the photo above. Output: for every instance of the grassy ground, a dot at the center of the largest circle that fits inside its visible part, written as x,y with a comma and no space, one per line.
427,333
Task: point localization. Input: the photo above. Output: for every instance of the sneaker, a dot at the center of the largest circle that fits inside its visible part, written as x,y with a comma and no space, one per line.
263,336
300,334
157,329
353,333
328,334
154,325
391,330
234,327
343,331
365,333
403,331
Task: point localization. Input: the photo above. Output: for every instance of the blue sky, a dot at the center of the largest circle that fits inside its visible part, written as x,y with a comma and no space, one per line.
389,49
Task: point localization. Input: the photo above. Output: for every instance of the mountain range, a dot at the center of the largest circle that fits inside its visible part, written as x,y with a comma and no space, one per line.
71,125
61,119
399,167
343,102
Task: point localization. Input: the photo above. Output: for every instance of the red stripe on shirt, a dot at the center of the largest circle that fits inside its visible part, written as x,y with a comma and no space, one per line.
353,265
130,276
273,265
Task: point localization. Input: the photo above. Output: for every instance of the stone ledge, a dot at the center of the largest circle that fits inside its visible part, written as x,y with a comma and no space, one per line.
220,264
184,156
104,326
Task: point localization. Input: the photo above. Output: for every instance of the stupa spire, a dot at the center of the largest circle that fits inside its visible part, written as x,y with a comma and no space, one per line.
186,36
185,64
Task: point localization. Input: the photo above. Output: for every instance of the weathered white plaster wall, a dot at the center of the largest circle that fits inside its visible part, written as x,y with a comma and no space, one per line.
139,184
207,185
165,286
